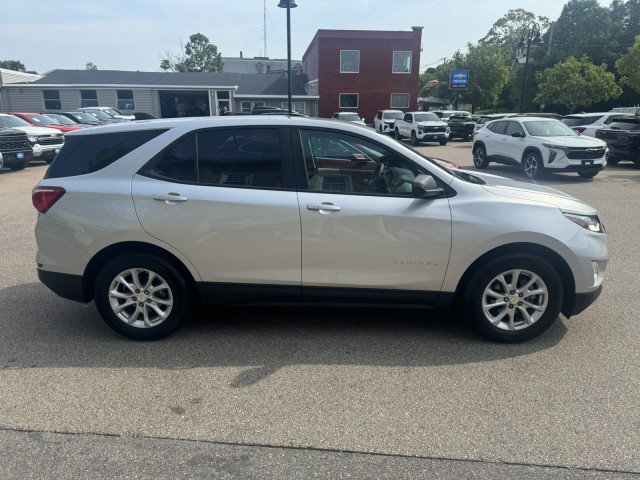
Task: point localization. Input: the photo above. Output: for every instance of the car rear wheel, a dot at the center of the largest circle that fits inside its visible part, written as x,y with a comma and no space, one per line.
443,142
141,296
480,157
514,298
532,165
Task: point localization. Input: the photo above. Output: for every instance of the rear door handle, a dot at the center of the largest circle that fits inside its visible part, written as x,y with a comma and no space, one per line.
169,197
318,207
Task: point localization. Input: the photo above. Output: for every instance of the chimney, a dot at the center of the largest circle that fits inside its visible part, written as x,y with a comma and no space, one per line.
240,53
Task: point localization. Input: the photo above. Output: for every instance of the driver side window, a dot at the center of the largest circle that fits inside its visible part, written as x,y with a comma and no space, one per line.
349,164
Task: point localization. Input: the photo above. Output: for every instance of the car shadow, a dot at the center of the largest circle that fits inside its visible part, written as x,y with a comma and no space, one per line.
53,332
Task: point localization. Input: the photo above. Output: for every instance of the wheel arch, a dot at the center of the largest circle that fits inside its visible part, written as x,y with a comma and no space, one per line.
546,253
196,293
532,149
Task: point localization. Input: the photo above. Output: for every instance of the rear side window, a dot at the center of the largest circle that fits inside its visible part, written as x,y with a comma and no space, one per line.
84,154
578,121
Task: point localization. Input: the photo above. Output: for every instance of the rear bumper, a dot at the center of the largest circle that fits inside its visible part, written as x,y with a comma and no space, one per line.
65,285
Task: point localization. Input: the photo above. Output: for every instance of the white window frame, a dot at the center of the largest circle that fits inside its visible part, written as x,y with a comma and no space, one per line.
341,107
246,106
394,63
391,105
344,64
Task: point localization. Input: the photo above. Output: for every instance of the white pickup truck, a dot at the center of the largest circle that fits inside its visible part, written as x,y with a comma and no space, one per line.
422,127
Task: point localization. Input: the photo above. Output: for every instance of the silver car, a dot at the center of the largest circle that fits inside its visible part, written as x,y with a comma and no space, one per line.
151,218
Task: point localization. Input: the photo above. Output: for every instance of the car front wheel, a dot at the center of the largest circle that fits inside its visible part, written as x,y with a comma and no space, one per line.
414,139
141,296
515,297
480,157
532,165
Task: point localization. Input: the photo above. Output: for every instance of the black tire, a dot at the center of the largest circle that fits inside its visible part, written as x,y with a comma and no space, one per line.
613,160
443,142
19,166
397,135
140,319
533,165
504,319
414,139
480,157
587,174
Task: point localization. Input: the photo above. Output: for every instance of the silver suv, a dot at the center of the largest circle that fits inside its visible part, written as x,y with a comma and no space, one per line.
538,145
151,218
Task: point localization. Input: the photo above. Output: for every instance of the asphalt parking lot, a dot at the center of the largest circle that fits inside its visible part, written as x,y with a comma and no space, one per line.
321,393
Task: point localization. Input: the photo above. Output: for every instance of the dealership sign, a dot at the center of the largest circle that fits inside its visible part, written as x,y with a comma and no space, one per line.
459,80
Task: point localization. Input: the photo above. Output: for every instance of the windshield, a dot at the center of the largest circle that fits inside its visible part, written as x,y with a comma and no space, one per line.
101,115
61,119
43,120
392,115
11,121
85,117
350,117
426,117
112,111
548,128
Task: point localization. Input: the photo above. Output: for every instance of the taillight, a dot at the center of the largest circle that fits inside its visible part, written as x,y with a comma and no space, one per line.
43,198
579,129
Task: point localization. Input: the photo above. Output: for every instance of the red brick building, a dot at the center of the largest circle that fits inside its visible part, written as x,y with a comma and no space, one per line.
364,71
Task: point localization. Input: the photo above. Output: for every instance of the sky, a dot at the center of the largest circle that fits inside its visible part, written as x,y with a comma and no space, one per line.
137,34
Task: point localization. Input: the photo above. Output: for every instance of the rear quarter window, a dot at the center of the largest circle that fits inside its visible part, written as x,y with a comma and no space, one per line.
82,154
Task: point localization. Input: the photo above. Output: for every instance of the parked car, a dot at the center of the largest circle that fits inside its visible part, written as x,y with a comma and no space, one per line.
64,120
45,142
589,123
421,127
112,112
102,116
15,149
349,117
384,120
623,138
40,120
273,209
538,145
461,126
445,114
82,118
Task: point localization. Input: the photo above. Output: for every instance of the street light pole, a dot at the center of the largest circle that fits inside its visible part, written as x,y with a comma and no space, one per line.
533,37
288,4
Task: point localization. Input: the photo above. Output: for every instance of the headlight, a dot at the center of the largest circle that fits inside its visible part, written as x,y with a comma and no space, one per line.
589,222
551,146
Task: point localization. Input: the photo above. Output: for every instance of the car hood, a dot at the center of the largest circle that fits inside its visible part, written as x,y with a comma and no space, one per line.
39,130
506,187
573,142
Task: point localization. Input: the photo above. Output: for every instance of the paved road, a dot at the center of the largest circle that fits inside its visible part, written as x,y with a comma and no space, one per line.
289,393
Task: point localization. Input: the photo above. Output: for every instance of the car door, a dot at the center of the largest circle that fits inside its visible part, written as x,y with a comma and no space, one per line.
513,147
363,230
230,209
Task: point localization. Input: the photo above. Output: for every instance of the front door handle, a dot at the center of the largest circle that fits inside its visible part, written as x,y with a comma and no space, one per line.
169,197
319,207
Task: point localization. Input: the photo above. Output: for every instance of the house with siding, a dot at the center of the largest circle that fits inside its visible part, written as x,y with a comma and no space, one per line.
162,94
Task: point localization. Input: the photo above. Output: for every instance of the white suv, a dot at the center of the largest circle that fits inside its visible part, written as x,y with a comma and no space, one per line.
538,145
384,120
590,123
149,219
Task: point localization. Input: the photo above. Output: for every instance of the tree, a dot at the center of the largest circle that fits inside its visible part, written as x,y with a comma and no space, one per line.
576,83
625,15
198,56
583,28
15,65
507,30
488,74
91,66
627,66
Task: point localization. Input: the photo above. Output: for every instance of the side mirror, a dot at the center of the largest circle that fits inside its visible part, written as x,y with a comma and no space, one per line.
517,135
425,186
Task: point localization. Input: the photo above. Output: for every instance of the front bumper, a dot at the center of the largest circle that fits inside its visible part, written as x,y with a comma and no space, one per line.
46,151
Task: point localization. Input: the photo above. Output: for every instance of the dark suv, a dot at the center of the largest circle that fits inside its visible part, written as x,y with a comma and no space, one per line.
623,138
15,149
461,126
